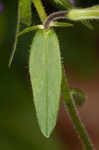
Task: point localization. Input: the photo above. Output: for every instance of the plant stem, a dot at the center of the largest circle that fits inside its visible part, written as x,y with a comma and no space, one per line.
55,16
71,108
40,9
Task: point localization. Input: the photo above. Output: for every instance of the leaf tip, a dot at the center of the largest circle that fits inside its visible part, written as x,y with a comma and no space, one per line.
46,134
10,62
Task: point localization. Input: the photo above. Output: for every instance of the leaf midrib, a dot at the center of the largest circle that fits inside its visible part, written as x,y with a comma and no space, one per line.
46,76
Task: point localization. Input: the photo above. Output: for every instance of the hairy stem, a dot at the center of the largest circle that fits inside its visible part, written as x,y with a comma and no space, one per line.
40,9
71,108
55,16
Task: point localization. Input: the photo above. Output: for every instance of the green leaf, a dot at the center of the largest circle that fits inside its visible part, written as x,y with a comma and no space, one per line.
96,7
23,14
16,39
61,24
45,76
40,9
65,3
84,14
25,11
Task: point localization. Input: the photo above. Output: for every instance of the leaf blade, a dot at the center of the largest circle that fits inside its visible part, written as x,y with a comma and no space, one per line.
16,39
45,74
62,24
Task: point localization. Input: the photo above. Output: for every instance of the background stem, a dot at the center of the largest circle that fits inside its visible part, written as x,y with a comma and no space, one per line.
71,108
40,9
16,39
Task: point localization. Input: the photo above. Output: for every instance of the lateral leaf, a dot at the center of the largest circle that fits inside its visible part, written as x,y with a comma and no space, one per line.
65,3
45,76
62,24
16,39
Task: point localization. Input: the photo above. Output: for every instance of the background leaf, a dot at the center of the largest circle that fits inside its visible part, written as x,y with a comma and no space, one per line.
45,74
16,39
64,3
25,11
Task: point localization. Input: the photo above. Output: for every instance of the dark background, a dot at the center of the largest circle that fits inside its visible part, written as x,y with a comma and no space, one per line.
80,52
